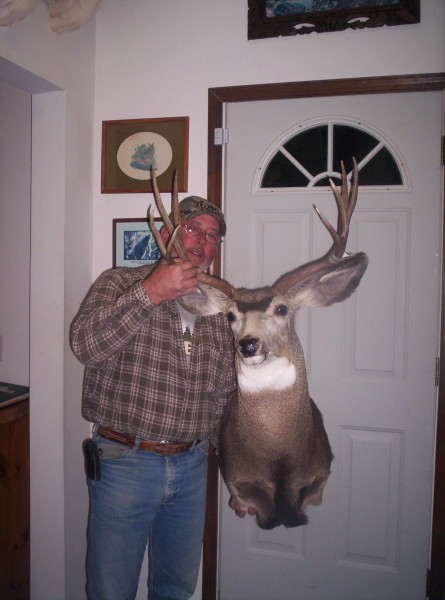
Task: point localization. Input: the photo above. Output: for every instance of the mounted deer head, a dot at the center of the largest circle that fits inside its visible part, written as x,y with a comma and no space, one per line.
274,452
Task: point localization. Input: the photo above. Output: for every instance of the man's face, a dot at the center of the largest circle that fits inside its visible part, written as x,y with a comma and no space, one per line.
200,253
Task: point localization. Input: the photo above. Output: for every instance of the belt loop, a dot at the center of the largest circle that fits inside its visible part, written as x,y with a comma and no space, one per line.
137,443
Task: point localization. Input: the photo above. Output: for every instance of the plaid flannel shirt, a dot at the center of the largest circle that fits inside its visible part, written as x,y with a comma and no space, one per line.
136,379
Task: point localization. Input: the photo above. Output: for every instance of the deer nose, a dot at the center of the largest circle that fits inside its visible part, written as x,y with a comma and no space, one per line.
249,346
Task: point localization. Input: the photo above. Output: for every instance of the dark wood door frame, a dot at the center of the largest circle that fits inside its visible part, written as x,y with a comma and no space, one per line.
217,98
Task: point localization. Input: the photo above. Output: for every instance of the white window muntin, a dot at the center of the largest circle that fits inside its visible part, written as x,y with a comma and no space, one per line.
278,146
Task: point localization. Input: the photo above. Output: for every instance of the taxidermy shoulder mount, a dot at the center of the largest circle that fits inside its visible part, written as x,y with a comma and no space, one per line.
274,453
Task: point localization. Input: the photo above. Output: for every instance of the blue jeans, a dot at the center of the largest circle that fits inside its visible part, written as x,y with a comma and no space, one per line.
143,496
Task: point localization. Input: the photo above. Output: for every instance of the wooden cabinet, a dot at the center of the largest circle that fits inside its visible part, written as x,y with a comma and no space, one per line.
14,501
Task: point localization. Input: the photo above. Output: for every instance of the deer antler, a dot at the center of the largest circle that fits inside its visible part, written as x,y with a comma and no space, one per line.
175,242
346,201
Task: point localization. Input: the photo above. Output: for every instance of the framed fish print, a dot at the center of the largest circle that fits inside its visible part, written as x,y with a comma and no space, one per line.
132,149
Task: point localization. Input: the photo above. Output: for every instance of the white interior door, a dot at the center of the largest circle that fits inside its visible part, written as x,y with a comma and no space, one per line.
370,360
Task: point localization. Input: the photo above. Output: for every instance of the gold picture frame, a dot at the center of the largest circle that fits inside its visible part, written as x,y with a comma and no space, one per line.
132,148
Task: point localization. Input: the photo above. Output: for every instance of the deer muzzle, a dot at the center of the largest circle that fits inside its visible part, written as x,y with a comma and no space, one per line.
249,348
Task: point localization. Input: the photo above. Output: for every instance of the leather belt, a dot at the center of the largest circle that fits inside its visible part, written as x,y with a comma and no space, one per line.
130,440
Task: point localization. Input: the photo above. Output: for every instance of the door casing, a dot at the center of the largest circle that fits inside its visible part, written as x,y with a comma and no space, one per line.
217,99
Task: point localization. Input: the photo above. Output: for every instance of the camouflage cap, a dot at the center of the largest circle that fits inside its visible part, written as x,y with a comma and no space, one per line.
194,206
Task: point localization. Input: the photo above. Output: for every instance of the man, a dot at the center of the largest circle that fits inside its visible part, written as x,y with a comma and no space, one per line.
154,408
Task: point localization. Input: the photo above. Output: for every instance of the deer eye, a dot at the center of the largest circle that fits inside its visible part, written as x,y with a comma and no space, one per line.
281,310
230,317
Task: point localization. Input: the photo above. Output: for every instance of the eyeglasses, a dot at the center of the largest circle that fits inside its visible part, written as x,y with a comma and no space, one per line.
211,238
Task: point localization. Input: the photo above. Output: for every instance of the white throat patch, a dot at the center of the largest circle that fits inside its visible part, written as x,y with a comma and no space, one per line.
273,373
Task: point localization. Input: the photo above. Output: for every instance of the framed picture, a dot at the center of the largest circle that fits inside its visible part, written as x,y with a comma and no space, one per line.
133,148
133,243
272,18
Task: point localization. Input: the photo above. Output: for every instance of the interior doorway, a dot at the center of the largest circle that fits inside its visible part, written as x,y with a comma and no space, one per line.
47,330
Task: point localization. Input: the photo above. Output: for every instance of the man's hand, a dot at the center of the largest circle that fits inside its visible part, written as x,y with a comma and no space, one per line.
168,282
241,512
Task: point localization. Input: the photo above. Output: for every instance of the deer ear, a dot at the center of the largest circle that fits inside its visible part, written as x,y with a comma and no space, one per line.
206,302
334,284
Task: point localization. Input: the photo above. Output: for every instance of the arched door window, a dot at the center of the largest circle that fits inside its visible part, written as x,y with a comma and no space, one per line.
308,155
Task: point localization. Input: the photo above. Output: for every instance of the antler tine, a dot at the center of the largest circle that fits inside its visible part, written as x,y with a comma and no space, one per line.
349,198
166,251
346,201
175,241
160,205
354,190
175,201
155,231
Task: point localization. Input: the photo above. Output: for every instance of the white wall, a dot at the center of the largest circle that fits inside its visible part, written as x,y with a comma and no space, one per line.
59,73
15,223
153,59
157,59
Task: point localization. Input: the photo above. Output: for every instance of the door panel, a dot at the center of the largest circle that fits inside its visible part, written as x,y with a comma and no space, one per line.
370,360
